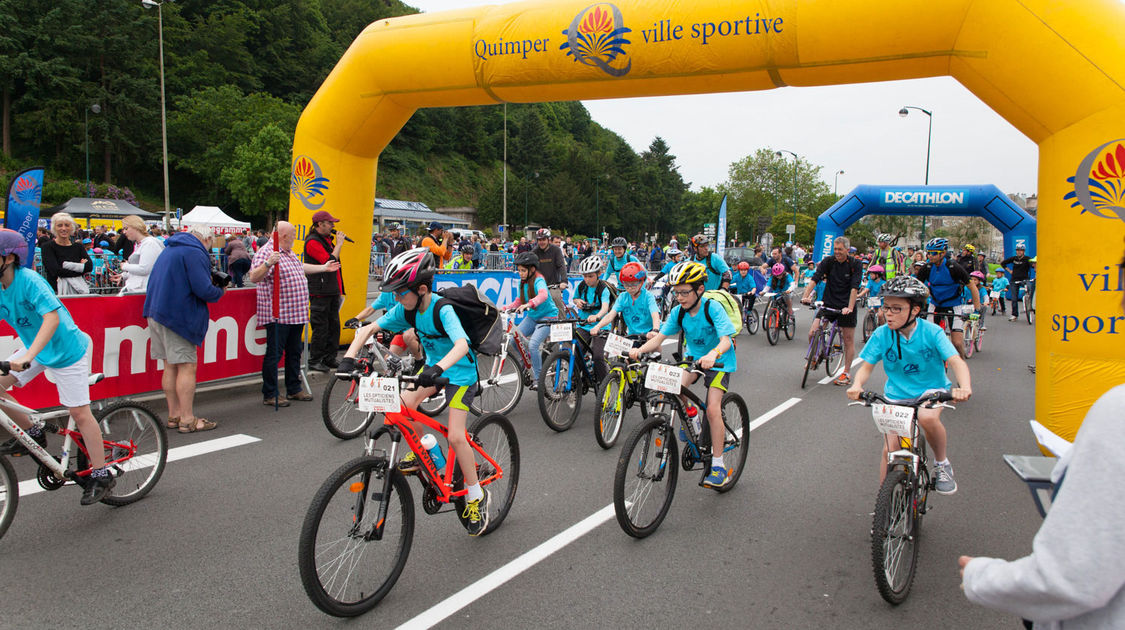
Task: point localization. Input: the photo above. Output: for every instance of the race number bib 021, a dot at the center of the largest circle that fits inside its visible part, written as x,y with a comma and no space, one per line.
561,332
616,345
893,419
663,378
378,394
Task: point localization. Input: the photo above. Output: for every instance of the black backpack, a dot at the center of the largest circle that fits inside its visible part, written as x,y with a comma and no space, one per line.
602,284
479,317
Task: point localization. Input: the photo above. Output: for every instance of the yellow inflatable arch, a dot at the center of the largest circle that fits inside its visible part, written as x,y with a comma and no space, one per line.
1054,70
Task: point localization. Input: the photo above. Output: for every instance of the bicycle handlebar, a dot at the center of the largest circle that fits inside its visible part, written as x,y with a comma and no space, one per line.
868,398
6,367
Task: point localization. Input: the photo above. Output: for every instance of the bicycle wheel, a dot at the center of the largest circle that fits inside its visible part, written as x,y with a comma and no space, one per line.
968,338
645,480
834,354
341,413
894,538
980,338
869,325
344,567
790,326
560,395
737,443
611,408
773,325
1028,309
131,426
9,494
811,357
495,435
501,384
752,321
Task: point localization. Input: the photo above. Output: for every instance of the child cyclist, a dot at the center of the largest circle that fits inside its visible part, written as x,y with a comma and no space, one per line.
999,287
974,293
593,300
533,297
781,283
914,354
409,277
621,257
708,339
874,284
464,261
636,305
400,343
49,342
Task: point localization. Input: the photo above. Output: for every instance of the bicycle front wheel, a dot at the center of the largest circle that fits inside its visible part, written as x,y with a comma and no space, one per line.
969,340
869,325
894,537
496,436
834,354
346,568
611,410
340,410
131,427
737,443
790,326
501,384
560,395
9,494
1028,308
645,480
773,325
811,358
752,322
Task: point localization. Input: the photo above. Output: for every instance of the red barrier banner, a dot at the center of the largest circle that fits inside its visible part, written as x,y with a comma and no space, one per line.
234,345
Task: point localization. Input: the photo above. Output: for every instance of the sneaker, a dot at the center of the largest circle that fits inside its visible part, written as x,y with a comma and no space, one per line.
717,478
477,513
1013,318
533,386
97,488
408,464
15,448
319,367
944,482
843,379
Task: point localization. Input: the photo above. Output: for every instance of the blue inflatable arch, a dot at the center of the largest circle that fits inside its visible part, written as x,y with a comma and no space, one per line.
1017,226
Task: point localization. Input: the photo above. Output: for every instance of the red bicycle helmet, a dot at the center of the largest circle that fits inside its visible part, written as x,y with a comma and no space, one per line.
744,266
633,272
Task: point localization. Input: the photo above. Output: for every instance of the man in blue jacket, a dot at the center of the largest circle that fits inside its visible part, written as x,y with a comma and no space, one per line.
179,289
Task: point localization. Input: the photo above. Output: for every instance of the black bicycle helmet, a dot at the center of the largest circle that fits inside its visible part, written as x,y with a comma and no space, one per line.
527,259
467,249
619,242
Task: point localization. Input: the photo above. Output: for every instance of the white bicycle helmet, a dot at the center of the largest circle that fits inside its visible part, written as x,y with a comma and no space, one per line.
591,264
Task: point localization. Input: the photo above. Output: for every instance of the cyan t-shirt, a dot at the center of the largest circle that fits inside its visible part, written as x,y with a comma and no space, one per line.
743,284
385,301
999,284
23,305
615,265
589,294
433,342
922,366
636,313
874,287
700,336
547,307
716,267
668,267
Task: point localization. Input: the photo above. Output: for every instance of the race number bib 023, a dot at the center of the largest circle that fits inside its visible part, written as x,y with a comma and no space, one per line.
616,345
663,378
893,419
561,332
378,394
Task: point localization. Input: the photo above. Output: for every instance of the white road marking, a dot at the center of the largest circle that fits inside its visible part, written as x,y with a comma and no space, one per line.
829,379
450,605
32,486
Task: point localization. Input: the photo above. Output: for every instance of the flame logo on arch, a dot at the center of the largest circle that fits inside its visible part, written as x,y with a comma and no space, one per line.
307,183
596,38
27,190
1099,184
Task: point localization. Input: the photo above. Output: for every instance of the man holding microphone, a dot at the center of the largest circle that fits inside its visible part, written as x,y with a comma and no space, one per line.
326,291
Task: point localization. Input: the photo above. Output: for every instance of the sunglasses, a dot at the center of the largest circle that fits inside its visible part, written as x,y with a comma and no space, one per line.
401,294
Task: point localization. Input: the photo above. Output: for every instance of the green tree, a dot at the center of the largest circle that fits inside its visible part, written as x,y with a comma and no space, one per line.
258,174
762,189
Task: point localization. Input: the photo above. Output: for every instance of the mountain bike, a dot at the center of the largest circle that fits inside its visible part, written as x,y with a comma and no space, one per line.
902,499
826,345
645,480
750,318
358,530
134,440
1029,300
871,319
622,388
777,318
566,377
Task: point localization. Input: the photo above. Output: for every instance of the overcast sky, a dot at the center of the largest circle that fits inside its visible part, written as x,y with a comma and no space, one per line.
854,128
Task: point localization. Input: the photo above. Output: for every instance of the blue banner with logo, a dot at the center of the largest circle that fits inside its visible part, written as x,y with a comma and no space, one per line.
721,230
22,211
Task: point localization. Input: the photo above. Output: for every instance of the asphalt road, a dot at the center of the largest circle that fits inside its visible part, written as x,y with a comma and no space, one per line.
214,545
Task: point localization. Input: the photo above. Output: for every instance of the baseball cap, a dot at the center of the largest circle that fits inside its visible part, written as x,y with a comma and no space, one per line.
394,226
323,215
434,225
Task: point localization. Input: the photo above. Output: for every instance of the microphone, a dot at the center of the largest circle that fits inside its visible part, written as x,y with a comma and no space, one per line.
345,237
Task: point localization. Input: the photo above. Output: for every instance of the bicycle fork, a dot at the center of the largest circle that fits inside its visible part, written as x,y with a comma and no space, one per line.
382,497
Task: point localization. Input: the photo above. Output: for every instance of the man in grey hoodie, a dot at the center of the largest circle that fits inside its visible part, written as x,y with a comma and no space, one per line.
1074,578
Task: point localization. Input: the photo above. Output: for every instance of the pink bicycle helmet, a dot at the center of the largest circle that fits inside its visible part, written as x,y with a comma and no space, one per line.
633,272
876,269
12,242
978,275
408,270
778,269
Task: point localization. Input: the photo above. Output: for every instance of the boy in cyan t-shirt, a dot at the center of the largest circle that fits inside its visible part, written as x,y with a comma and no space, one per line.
50,342
1000,287
914,353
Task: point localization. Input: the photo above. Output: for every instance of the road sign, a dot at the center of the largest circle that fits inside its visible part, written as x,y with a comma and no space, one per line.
500,229
790,229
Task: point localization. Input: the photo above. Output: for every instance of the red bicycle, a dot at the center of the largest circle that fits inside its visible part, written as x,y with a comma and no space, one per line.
358,530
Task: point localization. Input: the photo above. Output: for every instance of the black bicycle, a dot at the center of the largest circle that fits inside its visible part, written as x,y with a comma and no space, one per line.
567,375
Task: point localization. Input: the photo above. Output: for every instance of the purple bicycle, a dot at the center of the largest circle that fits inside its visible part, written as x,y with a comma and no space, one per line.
826,345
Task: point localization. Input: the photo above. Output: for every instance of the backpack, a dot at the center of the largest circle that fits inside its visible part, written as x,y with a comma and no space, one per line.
728,302
478,315
710,269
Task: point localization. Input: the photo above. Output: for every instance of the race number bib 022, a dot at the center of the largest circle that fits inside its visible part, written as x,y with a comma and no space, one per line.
664,378
561,332
378,394
616,345
893,419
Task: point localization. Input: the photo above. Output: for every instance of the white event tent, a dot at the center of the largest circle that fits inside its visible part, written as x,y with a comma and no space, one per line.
214,218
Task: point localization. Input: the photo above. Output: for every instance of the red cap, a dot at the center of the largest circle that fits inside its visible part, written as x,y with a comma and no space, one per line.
322,215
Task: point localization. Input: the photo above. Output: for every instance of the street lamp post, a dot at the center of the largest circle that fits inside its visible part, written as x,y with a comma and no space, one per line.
929,135
597,204
836,186
526,187
796,160
148,4
97,109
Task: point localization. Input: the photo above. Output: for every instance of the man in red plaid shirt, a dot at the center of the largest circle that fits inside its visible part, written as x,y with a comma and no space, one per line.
283,334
